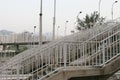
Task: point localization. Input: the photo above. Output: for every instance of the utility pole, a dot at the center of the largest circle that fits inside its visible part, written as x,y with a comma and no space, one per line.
54,20
112,9
40,28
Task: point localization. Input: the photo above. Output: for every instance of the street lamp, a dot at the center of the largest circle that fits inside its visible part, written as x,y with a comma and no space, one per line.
25,36
65,27
78,14
58,31
99,7
31,39
77,21
34,29
40,28
34,35
54,20
112,9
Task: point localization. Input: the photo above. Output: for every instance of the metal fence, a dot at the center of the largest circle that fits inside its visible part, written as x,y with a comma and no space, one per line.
97,49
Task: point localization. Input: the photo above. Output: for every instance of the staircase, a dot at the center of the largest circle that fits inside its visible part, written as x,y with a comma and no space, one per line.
89,49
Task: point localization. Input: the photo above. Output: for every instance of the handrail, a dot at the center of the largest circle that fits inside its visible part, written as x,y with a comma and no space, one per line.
56,42
59,52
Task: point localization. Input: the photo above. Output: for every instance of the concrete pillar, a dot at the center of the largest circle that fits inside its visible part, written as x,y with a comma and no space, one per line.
17,47
4,47
18,73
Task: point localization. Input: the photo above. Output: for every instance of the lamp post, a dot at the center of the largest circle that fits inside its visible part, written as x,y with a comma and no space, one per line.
40,28
34,35
78,14
112,9
99,7
58,31
31,39
65,27
54,20
25,36
77,21
34,29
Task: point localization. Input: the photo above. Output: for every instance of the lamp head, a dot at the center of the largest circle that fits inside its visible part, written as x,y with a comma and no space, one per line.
66,21
80,11
116,1
34,26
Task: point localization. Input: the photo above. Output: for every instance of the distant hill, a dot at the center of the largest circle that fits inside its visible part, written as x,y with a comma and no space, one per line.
5,32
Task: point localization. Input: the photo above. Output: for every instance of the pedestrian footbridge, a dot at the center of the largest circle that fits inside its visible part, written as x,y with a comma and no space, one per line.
92,54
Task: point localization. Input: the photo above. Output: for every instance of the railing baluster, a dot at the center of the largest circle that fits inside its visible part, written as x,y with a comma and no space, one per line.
65,54
84,53
49,58
103,52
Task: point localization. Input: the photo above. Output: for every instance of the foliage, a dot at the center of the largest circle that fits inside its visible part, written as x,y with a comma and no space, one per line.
23,48
14,47
89,21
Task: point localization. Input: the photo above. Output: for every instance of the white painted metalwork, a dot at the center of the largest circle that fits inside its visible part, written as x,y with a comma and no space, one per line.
96,47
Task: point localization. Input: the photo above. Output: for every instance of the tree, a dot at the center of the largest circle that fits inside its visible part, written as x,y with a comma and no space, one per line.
89,21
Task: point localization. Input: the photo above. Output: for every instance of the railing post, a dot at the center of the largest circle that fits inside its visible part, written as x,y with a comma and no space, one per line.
18,73
103,46
65,53
84,54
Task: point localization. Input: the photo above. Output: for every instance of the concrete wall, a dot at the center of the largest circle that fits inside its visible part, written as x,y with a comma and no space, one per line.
67,74
77,73
112,67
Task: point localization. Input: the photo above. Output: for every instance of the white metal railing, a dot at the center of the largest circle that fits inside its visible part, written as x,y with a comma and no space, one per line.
90,54
88,34
43,61
29,37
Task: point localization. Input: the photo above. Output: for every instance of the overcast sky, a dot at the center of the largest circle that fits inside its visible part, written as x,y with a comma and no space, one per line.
22,15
